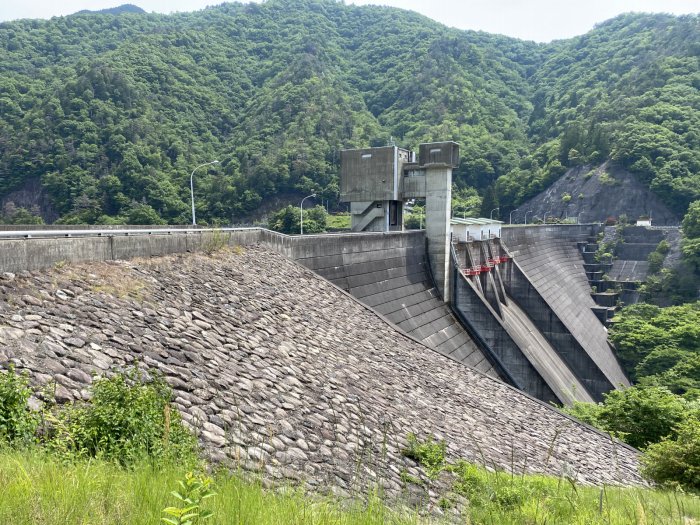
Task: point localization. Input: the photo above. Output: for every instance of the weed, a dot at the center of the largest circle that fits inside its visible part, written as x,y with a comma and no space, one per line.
406,478
17,423
429,454
194,489
215,241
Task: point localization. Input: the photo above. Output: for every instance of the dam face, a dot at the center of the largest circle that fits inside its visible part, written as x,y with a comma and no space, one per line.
527,321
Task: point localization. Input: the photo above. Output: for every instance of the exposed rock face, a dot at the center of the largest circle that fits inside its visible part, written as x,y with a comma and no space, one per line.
279,370
592,194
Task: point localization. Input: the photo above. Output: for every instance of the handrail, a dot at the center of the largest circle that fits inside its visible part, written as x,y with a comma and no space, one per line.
31,234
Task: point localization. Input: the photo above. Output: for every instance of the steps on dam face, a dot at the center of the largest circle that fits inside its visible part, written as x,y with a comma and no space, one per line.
394,281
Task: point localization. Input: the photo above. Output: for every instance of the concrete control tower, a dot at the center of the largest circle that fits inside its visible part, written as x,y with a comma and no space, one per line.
377,181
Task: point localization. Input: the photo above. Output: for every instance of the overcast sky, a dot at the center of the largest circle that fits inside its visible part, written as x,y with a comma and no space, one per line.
539,20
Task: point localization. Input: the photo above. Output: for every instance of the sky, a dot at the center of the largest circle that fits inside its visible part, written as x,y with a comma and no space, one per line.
539,20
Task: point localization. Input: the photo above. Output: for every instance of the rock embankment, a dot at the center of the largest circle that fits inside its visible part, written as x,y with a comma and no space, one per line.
280,371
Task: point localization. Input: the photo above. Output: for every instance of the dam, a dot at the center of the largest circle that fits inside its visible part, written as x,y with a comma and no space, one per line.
513,303
529,321
467,331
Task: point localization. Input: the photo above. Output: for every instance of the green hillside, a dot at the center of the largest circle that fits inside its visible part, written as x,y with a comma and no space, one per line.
110,113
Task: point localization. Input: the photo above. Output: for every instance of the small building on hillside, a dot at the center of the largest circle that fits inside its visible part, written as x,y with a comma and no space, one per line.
473,229
644,221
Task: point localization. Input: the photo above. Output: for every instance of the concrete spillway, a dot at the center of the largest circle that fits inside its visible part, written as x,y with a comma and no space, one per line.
549,259
542,355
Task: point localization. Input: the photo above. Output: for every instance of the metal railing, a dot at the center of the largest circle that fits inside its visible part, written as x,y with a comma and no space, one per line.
34,234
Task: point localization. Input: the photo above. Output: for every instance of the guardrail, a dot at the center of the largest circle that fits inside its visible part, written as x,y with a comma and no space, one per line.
46,234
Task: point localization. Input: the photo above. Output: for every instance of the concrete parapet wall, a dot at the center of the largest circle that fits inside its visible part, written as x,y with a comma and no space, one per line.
39,252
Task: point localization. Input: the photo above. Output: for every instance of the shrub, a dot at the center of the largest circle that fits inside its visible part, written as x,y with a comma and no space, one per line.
430,454
17,423
656,260
127,419
663,247
676,461
642,415
586,412
566,198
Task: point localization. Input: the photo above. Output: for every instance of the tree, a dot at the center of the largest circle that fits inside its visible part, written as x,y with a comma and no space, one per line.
287,220
691,221
676,460
638,415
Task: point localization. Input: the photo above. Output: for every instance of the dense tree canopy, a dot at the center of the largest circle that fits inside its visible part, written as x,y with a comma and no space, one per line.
110,112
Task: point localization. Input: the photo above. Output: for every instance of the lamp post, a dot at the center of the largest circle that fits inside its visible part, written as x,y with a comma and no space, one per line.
301,218
495,209
510,217
578,218
545,217
528,211
194,222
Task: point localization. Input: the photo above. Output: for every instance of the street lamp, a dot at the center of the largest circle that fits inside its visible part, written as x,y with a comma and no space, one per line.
528,211
578,217
494,211
510,217
194,222
301,220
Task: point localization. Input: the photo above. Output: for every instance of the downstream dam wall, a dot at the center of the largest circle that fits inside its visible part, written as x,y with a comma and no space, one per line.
282,373
390,273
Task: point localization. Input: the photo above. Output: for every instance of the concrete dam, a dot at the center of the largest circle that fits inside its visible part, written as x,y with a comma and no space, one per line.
313,353
527,320
283,371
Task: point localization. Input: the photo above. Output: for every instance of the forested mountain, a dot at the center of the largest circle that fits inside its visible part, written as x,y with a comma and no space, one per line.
111,112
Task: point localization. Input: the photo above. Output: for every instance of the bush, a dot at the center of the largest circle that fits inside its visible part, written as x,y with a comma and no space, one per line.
127,419
656,260
430,454
642,415
676,461
288,220
17,423
664,247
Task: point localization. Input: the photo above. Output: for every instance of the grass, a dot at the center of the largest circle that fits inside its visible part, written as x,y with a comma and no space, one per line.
502,498
340,221
36,488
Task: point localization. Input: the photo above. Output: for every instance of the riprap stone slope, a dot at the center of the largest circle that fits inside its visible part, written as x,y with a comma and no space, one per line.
282,371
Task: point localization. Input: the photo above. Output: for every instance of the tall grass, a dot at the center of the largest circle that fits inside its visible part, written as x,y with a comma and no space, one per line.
503,498
38,489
